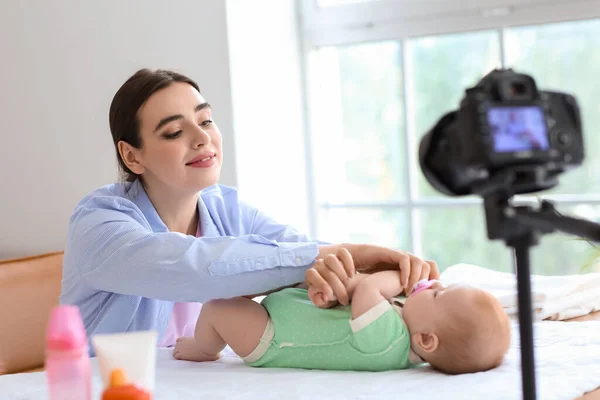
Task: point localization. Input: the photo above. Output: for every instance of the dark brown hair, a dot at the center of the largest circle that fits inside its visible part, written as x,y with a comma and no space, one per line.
123,114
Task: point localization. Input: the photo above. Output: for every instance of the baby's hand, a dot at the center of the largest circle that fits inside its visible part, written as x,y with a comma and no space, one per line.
320,298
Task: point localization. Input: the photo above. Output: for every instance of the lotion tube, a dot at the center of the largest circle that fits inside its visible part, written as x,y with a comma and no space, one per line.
132,352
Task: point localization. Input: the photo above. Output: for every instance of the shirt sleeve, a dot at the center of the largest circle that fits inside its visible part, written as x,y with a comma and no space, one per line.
114,249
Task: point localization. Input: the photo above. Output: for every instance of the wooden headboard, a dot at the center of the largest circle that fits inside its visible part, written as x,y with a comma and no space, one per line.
29,288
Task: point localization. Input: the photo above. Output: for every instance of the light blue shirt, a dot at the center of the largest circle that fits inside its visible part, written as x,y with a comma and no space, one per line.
125,269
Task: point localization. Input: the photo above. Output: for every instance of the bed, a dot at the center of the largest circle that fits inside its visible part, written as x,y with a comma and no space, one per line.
567,361
568,365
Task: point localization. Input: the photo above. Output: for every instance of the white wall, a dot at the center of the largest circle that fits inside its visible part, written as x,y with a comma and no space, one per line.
60,64
268,108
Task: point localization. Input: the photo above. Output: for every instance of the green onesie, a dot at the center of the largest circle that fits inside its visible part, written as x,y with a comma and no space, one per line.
301,335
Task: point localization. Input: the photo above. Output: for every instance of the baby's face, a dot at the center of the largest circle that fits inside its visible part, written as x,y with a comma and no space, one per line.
429,309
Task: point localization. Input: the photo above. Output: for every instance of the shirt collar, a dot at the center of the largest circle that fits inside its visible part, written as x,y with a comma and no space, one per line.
137,194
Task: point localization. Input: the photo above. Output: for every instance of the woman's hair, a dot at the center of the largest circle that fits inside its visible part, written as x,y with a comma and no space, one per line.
123,115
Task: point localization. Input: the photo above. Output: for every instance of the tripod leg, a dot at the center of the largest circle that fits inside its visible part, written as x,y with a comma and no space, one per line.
522,246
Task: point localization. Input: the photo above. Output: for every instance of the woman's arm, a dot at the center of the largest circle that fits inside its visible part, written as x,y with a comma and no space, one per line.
113,249
366,258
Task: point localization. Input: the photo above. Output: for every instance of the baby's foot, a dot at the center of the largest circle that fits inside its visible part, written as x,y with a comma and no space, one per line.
187,349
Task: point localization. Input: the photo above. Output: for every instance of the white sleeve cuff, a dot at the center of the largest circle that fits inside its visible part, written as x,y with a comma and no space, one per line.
370,316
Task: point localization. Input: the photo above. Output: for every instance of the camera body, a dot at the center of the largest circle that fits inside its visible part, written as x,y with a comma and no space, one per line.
504,126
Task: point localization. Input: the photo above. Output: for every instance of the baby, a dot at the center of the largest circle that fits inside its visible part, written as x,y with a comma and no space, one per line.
458,329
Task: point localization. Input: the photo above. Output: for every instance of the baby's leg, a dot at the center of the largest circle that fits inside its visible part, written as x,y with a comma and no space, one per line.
238,322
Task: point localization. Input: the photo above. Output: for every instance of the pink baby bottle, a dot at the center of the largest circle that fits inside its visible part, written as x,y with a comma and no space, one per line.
67,361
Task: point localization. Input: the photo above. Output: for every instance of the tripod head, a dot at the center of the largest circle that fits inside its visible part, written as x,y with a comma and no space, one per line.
521,228
505,221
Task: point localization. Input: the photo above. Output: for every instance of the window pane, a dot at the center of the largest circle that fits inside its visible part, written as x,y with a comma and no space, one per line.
441,68
458,235
382,227
565,57
455,235
357,116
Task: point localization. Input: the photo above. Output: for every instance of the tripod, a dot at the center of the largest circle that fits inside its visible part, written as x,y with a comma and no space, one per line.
521,227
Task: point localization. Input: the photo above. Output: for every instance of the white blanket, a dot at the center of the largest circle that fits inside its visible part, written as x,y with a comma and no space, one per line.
568,362
554,297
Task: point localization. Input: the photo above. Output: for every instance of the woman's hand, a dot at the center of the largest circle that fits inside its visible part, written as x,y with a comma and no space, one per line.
328,278
369,258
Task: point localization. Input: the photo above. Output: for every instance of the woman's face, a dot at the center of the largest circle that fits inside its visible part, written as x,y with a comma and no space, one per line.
181,145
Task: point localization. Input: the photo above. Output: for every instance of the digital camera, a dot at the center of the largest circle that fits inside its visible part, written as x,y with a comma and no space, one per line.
505,129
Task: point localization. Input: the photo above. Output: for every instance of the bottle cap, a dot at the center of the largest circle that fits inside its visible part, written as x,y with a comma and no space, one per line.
65,330
119,389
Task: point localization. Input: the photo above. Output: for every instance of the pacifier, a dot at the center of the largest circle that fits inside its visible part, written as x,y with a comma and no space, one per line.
421,285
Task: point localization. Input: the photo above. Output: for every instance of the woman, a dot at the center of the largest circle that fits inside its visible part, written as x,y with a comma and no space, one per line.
143,254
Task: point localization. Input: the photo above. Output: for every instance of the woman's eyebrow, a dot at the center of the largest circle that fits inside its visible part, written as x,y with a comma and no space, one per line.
172,118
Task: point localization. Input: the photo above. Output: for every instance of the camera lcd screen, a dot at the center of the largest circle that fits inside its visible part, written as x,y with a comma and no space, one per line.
518,128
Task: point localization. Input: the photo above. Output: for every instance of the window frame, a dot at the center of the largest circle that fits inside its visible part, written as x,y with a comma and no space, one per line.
378,20
382,20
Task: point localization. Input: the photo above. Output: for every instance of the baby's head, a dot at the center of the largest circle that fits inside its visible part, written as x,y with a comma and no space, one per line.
458,329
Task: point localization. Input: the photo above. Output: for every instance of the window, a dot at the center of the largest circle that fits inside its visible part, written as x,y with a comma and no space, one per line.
374,91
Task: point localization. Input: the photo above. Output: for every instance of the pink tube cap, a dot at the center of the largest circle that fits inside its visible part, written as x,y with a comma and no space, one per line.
65,330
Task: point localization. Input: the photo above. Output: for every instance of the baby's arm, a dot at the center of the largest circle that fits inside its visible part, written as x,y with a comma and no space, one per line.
373,289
